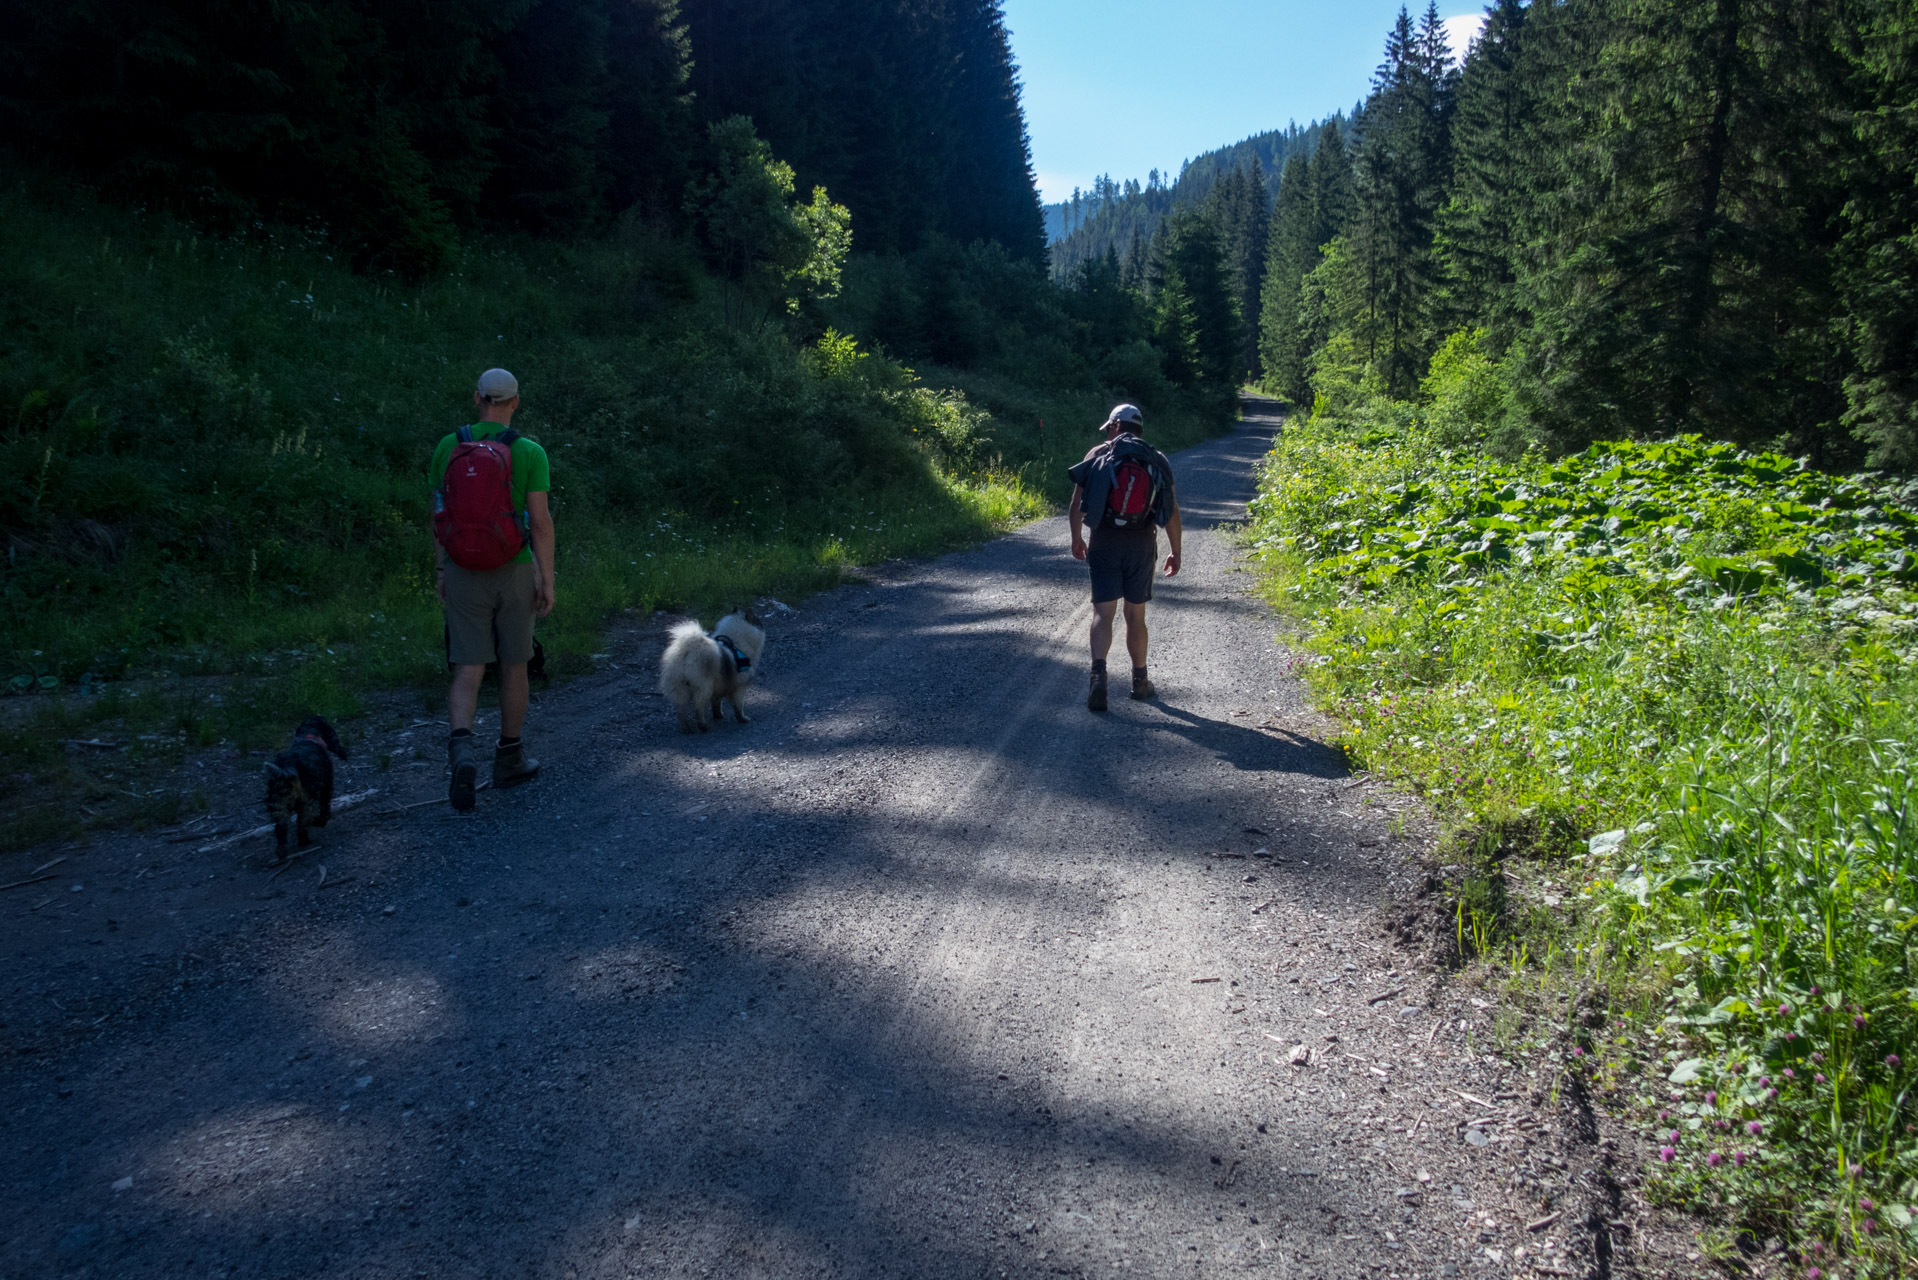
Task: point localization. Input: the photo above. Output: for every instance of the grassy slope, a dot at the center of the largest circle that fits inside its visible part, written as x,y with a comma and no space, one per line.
219,455
1682,680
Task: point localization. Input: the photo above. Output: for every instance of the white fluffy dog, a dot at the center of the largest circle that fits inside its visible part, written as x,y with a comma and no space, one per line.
701,671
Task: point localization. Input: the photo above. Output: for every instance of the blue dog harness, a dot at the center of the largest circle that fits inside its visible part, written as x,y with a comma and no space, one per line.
740,661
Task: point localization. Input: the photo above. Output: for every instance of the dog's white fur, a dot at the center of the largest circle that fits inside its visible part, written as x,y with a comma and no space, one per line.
698,673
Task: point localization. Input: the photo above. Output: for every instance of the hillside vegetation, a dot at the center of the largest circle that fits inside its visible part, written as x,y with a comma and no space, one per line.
1582,338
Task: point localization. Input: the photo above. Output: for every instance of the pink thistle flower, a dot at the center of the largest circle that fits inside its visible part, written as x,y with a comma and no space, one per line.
1868,1226
1814,1274
1891,1060
1770,1094
1764,1082
1790,1074
1739,1158
1714,1160
1578,1051
1666,1154
1866,1205
1711,1098
1819,1058
1817,992
1663,1116
1819,1078
1754,1128
1672,1137
1858,1021
1784,1009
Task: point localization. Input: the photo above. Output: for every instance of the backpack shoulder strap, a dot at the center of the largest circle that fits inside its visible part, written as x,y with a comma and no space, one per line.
464,435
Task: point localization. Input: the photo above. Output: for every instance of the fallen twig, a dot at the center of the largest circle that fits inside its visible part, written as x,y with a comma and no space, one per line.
1434,1033
1473,1097
1542,1223
21,884
98,744
1381,999
48,866
344,802
1197,980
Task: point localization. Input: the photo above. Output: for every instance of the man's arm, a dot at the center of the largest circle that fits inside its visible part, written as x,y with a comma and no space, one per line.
1075,516
1173,537
542,521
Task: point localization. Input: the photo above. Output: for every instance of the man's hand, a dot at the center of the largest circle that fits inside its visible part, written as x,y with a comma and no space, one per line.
542,594
1172,565
442,583
1078,546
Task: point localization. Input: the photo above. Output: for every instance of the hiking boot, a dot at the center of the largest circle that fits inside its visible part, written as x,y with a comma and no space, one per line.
1096,696
1143,688
512,766
459,755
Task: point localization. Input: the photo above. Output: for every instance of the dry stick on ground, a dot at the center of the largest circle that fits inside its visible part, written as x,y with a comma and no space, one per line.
21,884
344,802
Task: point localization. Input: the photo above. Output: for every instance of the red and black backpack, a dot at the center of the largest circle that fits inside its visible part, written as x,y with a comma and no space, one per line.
1133,495
473,515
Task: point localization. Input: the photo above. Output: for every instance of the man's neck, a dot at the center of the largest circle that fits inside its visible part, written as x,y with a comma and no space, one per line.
502,417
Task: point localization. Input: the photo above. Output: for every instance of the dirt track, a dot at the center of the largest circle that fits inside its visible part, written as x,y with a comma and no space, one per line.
927,972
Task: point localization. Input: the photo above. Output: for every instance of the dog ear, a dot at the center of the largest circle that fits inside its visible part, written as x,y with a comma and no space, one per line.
332,740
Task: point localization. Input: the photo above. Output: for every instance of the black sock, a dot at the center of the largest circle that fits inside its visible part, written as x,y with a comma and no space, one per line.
508,742
1098,666
462,733
1138,674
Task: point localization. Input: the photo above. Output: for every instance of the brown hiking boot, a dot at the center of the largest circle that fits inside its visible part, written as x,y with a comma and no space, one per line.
1142,688
1096,696
512,766
459,756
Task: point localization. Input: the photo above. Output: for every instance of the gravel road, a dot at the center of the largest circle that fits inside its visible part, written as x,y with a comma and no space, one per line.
926,972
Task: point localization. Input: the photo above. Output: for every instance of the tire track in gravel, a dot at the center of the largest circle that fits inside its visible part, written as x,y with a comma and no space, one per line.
926,972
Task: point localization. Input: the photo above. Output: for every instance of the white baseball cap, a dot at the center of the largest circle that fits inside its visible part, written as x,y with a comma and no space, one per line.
1126,413
496,386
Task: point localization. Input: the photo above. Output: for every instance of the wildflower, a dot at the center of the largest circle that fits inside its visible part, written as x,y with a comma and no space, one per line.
1789,1037
1783,1009
1711,1098
1739,1158
1764,1082
1891,1060
1577,1051
1858,1021
1672,1137
1819,1078
1666,1154
1817,992
1663,1116
1814,1274
1867,1205
1754,1128
1819,1058
1790,1074
1714,1159
1857,1169
1868,1226
1770,1094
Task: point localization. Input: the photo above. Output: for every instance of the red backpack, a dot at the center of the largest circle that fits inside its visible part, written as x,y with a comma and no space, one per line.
1135,485
473,515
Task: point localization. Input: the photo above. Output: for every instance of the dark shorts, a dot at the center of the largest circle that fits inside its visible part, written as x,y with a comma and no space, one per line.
1122,561
488,605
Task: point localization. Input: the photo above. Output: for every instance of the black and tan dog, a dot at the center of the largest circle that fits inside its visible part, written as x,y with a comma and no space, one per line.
299,782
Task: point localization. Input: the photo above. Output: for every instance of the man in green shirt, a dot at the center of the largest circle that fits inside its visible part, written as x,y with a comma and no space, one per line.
490,612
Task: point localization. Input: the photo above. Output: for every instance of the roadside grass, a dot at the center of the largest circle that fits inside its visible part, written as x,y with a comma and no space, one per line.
1663,696
221,509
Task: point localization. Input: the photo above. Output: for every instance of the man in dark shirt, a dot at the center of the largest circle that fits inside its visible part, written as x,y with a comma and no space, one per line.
1122,551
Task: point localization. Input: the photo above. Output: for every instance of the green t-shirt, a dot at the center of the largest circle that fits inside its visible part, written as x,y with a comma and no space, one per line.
531,471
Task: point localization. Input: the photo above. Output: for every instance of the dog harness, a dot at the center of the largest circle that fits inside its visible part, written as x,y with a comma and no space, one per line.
308,737
740,661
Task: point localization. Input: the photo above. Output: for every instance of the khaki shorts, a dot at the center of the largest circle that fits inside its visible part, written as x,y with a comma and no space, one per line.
489,615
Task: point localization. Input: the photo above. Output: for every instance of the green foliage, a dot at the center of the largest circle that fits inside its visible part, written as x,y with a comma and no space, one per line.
1684,675
762,242
1464,391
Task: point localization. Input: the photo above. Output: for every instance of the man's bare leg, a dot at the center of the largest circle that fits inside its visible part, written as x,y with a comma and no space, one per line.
1102,611
462,704
1135,646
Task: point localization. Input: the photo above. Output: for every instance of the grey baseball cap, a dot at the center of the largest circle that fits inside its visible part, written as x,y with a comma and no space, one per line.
1126,414
496,385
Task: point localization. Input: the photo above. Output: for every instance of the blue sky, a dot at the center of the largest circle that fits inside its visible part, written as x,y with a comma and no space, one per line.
1123,86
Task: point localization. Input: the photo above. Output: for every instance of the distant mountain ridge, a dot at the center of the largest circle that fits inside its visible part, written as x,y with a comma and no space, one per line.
1108,216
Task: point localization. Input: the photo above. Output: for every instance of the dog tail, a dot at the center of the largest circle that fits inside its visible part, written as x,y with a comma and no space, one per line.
684,670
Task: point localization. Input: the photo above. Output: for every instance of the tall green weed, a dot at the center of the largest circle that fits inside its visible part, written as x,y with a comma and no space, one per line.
1685,676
